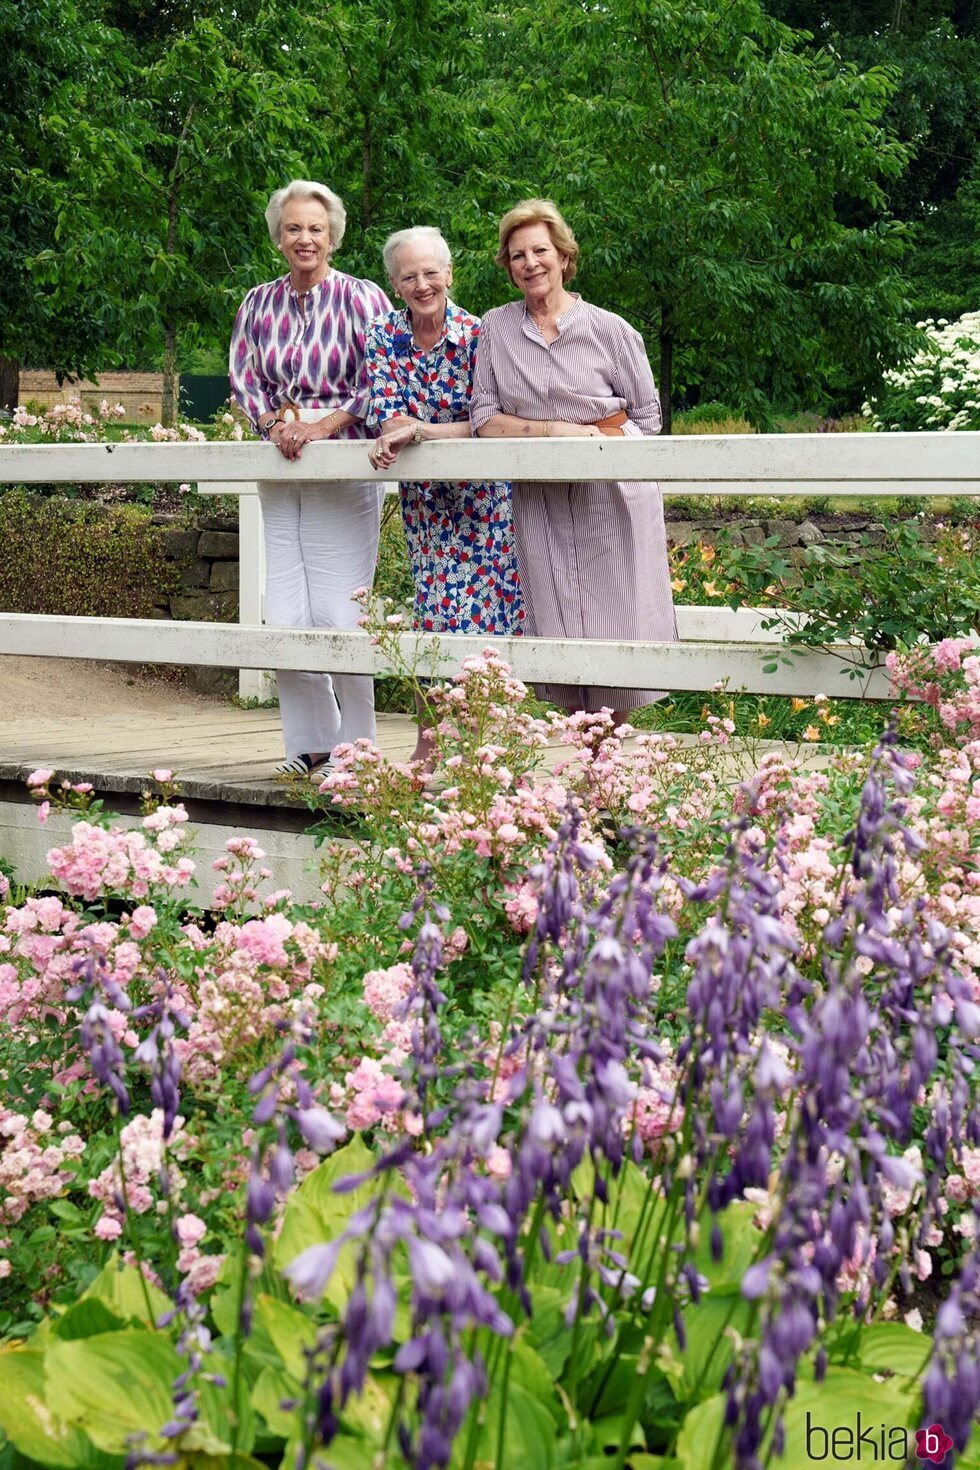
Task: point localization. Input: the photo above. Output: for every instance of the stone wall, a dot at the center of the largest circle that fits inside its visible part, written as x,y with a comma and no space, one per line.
205,555
833,531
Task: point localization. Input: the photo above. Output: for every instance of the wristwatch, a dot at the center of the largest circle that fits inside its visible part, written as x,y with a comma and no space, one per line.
416,435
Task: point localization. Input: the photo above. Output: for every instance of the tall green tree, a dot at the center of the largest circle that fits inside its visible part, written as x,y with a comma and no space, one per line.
59,64
933,48
727,184
165,210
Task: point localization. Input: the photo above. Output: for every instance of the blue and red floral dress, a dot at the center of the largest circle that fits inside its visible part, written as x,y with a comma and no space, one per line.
460,537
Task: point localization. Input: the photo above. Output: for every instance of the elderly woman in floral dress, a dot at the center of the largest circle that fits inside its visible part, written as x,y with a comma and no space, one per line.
420,371
592,556
297,368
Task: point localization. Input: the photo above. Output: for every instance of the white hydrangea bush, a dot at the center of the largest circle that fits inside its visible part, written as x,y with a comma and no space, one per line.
940,387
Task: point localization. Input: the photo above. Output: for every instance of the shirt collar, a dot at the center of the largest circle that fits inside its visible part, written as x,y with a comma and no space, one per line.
531,328
403,342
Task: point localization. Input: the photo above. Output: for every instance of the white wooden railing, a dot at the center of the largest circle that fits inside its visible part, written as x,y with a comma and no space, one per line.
716,644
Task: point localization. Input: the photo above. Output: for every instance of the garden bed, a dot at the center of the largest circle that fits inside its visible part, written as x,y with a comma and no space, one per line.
650,1109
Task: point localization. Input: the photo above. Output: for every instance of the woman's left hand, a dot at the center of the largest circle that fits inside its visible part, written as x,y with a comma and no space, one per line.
396,435
294,435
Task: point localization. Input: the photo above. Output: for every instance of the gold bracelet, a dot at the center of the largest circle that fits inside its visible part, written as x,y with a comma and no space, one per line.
547,429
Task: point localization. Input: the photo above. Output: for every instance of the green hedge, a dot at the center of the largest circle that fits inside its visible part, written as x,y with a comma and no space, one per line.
80,559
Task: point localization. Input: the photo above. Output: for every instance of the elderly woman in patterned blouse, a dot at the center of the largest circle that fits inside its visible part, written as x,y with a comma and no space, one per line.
592,556
420,370
298,369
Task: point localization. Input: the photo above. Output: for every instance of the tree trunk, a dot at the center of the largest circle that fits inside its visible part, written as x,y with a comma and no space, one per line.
367,201
9,382
168,416
666,368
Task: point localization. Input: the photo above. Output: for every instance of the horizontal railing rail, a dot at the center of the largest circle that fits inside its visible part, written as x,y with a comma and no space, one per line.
842,464
716,644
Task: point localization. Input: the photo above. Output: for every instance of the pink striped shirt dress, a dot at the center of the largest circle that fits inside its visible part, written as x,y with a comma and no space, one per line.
592,556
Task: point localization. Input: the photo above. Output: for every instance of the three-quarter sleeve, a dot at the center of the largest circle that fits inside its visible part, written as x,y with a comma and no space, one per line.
635,382
251,390
367,303
485,403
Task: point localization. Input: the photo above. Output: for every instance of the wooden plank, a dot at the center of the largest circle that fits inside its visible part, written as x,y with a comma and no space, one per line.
694,665
888,460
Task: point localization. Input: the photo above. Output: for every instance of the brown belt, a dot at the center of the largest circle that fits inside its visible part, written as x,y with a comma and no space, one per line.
613,425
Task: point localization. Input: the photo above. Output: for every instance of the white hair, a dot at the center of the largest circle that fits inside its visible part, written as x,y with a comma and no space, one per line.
307,189
417,235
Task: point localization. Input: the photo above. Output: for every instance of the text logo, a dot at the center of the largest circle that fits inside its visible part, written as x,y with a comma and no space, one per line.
932,1443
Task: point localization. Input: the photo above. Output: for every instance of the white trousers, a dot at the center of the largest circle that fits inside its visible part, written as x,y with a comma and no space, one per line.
321,545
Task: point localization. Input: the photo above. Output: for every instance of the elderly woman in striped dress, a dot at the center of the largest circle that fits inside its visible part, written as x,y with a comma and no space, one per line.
592,557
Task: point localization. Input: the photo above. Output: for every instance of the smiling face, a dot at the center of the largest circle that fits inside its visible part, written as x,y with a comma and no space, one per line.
304,239
536,265
422,278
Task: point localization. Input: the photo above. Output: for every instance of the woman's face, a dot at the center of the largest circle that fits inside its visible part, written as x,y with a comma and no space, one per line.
536,265
304,239
421,278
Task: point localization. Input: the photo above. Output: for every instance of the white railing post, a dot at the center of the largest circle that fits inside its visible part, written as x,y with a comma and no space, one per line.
252,683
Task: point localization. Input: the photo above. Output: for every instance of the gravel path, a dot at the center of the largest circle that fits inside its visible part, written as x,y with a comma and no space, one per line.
68,688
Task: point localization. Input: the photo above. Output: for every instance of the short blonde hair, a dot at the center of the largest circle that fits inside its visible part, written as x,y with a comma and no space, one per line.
307,189
417,235
533,212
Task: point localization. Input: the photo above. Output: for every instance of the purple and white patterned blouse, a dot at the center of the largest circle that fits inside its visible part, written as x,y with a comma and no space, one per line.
307,350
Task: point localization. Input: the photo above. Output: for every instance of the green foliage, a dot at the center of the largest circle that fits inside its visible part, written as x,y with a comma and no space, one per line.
727,182
886,597
80,559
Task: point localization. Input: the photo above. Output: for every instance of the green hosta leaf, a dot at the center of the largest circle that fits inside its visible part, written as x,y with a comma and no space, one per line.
370,1411
30,1424
633,1206
548,1334
708,1352
272,1386
122,1291
289,1330
529,1431
741,1240
315,1213
113,1386
894,1347
699,1435
87,1318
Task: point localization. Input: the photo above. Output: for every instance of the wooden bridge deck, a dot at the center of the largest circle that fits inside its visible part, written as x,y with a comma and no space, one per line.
222,757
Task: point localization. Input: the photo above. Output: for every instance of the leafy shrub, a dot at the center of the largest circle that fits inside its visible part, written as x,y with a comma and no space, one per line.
80,559
886,597
711,418
940,387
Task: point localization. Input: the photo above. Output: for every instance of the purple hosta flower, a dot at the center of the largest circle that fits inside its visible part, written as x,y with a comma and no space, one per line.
422,1005
104,1053
283,1095
951,1388
158,1054
868,1049
560,919
194,1345
96,1033
447,1233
